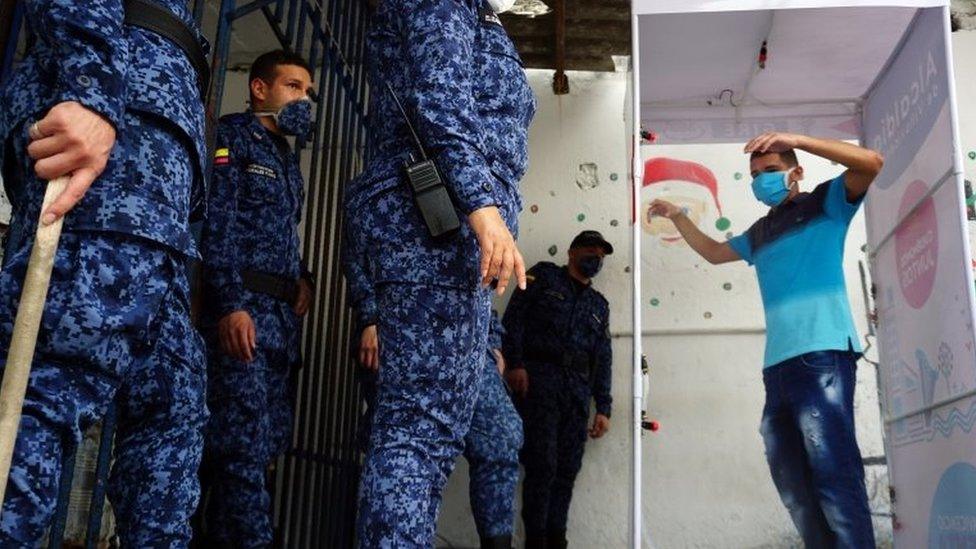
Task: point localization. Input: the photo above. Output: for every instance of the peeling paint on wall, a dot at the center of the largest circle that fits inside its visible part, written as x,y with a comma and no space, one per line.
588,176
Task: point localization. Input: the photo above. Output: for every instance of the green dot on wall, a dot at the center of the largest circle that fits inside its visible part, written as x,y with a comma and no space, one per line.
727,286
972,155
613,177
655,302
553,250
580,217
723,224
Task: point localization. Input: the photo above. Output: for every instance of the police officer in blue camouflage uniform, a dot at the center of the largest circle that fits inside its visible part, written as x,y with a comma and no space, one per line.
256,291
557,347
464,90
118,108
493,442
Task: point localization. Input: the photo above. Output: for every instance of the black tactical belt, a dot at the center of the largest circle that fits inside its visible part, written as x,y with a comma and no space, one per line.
279,287
578,362
155,18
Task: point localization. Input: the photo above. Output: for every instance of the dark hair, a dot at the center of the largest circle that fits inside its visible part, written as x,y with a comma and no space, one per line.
788,157
266,65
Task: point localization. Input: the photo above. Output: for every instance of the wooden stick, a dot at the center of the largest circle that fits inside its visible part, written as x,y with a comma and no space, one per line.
26,325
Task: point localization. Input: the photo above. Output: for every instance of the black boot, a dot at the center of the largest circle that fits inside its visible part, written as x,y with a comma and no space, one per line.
497,542
535,542
557,539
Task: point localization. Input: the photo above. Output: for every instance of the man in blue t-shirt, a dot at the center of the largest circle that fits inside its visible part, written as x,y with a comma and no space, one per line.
811,343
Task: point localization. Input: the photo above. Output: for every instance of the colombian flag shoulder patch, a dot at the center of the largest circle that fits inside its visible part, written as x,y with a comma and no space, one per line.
221,156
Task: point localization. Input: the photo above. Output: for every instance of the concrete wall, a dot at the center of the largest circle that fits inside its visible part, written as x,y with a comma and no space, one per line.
705,480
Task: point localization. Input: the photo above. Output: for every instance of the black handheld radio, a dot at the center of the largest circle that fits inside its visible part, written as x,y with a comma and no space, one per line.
429,192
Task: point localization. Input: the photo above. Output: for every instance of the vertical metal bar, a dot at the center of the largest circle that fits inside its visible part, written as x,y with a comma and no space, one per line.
352,458
342,363
101,479
292,16
560,82
198,9
64,497
637,379
225,26
320,409
309,468
332,256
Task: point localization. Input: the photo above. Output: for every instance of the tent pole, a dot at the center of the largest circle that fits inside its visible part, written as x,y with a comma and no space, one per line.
637,383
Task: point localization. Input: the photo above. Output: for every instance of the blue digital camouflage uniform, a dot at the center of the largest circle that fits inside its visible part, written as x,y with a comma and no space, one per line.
493,442
255,206
559,333
116,324
462,82
492,448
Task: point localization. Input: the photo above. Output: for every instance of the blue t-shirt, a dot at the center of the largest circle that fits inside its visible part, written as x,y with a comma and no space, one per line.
798,251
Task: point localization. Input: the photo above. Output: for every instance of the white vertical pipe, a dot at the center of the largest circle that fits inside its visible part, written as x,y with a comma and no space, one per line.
637,384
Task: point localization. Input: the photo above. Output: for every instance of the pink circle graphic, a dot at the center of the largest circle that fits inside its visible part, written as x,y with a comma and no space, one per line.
917,246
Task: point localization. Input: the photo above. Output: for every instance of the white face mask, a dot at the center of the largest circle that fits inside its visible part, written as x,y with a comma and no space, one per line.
500,6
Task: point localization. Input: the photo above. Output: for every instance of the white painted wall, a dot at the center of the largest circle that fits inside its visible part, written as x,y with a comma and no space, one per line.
705,480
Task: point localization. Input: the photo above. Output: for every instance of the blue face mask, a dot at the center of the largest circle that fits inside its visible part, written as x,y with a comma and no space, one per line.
293,118
590,265
771,188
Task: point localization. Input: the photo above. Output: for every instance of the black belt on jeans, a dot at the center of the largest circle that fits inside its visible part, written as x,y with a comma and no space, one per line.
155,18
279,287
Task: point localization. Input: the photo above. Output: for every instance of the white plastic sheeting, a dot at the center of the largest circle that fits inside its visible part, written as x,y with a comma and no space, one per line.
701,81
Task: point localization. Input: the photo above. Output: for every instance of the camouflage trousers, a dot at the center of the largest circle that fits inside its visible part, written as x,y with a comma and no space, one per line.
432,354
491,448
251,424
116,325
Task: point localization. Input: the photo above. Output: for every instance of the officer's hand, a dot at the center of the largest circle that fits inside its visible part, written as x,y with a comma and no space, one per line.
238,337
304,299
499,361
499,254
664,208
601,424
70,140
518,381
369,348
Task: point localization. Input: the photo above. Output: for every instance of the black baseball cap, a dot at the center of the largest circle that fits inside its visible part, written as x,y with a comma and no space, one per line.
591,238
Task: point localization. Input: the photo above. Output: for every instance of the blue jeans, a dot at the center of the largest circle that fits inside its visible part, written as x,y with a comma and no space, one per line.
808,429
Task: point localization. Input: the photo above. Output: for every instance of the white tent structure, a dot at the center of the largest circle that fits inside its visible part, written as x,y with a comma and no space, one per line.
880,72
